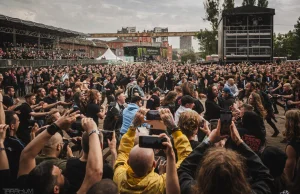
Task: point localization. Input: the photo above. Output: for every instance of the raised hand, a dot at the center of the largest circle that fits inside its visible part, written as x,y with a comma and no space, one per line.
66,120
139,117
88,124
3,129
235,136
167,117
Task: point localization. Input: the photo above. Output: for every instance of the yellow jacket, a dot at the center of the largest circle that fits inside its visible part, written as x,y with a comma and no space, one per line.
152,183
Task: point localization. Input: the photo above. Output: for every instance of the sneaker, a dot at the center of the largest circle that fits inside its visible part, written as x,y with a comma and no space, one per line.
275,134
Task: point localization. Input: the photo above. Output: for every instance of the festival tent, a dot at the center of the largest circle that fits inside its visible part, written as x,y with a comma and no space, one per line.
109,56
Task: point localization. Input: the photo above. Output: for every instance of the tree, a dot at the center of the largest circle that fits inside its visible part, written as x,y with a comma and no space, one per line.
174,56
228,4
262,3
188,56
207,42
297,39
212,13
249,2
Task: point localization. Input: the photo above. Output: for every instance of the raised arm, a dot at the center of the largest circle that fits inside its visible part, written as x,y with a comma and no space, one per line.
2,114
27,158
94,167
4,165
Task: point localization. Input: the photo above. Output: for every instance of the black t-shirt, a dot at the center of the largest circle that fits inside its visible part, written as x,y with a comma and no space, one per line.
153,102
114,117
92,111
23,131
75,172
13,148
49,100
38,99
8,101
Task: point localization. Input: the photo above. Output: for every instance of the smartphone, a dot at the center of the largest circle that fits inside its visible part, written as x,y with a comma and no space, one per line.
153,115
152,142
107,134
226,119
157,131
213,124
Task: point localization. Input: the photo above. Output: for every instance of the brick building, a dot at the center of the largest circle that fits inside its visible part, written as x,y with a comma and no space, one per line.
90,48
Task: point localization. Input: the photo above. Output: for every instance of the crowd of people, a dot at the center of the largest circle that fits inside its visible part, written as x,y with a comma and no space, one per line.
46,52
85,129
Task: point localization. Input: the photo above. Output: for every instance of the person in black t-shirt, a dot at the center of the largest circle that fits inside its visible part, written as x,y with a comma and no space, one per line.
51,100
25,116
76,167
154,102
114,115
13,145
93,108
8,99
110,90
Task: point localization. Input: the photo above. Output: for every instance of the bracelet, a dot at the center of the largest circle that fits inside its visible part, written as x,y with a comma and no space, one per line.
94,131
175,129
207,142
2,149
53,128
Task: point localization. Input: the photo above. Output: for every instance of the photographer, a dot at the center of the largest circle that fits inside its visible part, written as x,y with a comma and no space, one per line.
133,171
222,170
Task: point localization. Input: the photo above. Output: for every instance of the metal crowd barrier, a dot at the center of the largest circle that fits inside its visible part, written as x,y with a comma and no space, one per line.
8,63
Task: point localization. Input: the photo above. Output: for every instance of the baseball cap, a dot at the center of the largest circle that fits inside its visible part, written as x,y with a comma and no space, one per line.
227,90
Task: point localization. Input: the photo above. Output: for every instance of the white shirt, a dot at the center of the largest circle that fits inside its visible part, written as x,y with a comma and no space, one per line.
180,110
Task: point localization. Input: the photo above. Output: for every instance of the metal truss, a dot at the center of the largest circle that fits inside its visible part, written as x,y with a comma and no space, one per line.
27,33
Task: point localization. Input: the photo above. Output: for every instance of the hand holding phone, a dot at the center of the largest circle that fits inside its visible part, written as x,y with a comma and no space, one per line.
152,142
226,119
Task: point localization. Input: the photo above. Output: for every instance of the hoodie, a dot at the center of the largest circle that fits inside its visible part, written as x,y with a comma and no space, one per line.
128,115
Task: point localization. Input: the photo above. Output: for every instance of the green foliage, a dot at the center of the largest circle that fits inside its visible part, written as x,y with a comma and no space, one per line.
284,45
263,3
207,42
228,4
188,56
297,38
174,56
212,12
249,2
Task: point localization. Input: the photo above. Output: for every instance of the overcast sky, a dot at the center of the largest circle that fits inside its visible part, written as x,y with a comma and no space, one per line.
101,16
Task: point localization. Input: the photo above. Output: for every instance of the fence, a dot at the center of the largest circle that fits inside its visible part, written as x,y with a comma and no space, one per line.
42,63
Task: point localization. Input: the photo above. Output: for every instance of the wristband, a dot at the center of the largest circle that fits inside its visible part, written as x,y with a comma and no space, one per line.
2,149
175,129
94,131
53,128
207,142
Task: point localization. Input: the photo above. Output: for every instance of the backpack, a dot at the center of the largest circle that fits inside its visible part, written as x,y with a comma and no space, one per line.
129,91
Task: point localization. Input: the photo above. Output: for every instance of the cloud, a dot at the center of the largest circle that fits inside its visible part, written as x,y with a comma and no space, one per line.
110,15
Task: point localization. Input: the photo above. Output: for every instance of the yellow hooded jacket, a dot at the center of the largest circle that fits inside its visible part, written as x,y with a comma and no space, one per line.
152,183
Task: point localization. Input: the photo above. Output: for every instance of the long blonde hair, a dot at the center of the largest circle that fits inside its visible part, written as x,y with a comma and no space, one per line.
292,124
257,104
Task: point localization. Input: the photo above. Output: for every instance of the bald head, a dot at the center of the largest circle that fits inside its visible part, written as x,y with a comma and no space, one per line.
53,145
141,160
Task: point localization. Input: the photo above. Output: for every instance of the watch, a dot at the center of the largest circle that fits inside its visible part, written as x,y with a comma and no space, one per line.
94,131
207,142
53,128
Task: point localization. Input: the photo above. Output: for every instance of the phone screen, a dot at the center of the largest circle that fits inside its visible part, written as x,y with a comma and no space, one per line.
213,124
226,119
107,134
151,142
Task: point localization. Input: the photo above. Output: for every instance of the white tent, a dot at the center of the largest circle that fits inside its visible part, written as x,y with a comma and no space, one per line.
110,56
